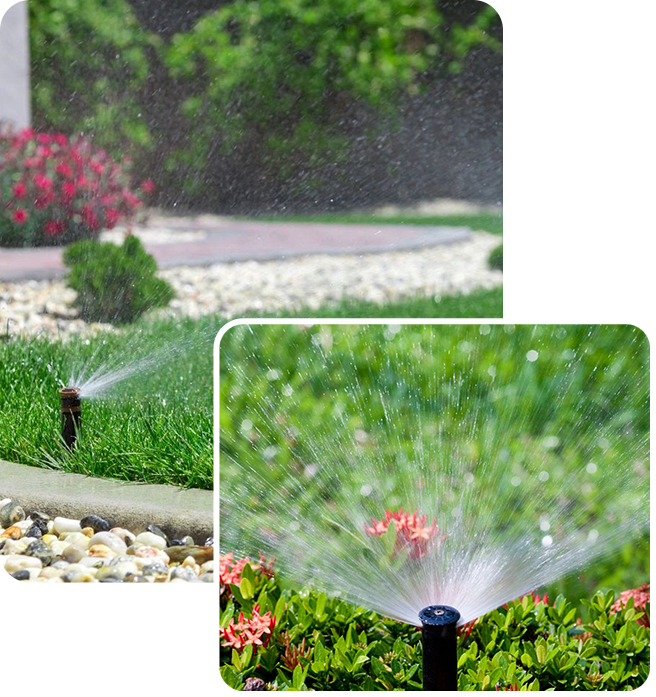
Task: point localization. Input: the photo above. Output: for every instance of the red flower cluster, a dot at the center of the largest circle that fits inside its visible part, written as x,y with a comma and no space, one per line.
640,599
54,190
248,631
230,570
410,530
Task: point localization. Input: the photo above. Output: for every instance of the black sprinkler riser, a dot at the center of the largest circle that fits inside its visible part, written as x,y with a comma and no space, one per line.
71,414
439,638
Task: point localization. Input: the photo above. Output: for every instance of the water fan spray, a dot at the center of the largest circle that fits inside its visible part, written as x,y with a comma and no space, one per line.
439,638
71,413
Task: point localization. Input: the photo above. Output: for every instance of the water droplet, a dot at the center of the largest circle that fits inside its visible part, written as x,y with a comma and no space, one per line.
515,481
547,541
366,489
591,468
543,476
246,425
532,356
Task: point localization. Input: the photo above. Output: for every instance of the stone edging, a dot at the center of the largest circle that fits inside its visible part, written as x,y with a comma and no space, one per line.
177,511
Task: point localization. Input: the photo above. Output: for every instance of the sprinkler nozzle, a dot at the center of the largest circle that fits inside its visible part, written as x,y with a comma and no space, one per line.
438,634
71,414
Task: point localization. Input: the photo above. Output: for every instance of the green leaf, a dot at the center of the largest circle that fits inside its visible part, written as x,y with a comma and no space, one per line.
246,588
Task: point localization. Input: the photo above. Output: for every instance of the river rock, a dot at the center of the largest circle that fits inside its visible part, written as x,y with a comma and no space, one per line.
18,562
199,554
62,525
96,522
150,539
158,531
11,513
42,551
109,539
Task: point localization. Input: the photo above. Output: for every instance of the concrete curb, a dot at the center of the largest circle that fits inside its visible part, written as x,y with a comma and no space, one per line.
177,511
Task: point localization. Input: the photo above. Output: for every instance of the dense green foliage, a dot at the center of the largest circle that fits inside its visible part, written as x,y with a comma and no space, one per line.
321,643
114,284
90,63
290,69
282,79
495,260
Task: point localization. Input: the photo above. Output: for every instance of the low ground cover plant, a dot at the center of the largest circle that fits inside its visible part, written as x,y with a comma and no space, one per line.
55,189
115,284
495,260
275,637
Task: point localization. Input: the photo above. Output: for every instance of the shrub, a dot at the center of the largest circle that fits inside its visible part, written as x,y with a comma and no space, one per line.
495,260
114,284
90,64
286,79
54,190
308,641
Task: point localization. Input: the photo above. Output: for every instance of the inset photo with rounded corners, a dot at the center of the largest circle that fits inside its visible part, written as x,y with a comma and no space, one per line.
408,507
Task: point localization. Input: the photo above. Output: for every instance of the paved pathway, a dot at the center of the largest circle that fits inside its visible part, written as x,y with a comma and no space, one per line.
229,240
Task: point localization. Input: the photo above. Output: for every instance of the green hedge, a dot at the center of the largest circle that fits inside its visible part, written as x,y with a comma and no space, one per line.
322,643
277,78
90,64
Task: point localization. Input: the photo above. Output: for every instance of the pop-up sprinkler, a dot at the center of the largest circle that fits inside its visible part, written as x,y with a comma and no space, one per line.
71,412
438,633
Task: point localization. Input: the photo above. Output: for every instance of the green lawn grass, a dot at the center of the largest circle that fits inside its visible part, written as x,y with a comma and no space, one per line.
480,303
156,427
488,222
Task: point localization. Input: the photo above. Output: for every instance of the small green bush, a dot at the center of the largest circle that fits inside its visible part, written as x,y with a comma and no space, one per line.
313,642
114,284
495,260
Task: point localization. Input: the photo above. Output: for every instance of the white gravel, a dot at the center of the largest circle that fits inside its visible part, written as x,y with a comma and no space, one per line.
237,289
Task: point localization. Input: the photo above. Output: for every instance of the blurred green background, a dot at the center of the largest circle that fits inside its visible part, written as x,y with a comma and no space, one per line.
312,416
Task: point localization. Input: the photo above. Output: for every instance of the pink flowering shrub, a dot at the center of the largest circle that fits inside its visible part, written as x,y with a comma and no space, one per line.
412,532
55,190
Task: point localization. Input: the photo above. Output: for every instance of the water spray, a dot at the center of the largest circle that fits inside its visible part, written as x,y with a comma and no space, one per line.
438,633
71,412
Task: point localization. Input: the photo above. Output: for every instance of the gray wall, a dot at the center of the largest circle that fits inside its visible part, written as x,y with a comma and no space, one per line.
14,67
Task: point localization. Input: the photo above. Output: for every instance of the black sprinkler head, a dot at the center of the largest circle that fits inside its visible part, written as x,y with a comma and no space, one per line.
438,633
71,414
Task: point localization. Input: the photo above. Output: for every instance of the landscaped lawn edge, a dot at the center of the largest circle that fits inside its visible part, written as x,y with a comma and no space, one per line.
130,505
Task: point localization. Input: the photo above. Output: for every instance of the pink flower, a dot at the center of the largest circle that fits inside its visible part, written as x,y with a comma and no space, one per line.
44,138
411,531
46,198
42,181
640,600
20,189
147,186
53,227
68,191
60,139
20,216
90,218
64,169
112,216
